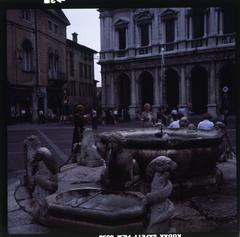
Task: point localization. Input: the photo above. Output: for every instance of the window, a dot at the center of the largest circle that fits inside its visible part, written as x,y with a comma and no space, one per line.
73,88
144,31
26,14
71,63
50,25
80,70
53,62
198,23
27,51
228,21
80,89
56,28
85,71
170,30
90,72
122,38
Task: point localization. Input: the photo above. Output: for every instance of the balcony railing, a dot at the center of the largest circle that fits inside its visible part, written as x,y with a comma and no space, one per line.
226,39
196,43
120,53
144,50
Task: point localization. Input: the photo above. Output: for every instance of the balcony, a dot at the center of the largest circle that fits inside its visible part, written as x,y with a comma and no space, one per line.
226,39
197,43
120,53
56,78
144,50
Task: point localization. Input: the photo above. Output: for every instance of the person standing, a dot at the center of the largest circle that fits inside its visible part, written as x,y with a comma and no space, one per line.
147,116
78,120
94,118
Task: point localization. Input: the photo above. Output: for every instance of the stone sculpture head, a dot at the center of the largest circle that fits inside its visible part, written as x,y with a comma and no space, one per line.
160,164
45,155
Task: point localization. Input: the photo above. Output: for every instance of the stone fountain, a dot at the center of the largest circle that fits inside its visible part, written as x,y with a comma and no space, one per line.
119,186
195,152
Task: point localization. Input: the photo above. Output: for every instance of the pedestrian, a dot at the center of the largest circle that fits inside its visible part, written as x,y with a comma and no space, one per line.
206,124
78,120
183,122
175,120
115,115
162,116
41,116
147,116
94,118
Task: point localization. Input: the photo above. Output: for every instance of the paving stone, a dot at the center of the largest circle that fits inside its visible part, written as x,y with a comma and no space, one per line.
184,211
18,218
193,226
28,229
216,207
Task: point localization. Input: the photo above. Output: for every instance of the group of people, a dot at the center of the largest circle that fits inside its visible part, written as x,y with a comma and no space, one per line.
174,120
114,116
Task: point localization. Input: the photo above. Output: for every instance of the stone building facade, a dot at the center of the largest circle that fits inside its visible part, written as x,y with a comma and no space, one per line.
36,61
180,57
81,86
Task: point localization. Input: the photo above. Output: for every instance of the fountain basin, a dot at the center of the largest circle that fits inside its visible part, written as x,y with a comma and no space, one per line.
195,151
97,211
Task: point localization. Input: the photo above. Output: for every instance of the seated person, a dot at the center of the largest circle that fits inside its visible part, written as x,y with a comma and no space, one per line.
206,124
175,123
184,122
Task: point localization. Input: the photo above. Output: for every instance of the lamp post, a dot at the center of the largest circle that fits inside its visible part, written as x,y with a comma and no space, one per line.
163,75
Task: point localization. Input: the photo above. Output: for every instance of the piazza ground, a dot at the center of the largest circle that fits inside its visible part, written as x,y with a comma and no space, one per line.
196,214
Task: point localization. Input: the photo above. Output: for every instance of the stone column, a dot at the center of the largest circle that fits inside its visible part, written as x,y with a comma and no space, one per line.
205,24
131,50
175,30
163,33
156,99
188,87
183,88
212,107
44,91
133,106
221,22
154,43
212,22
212,26
112,91
34,105
103,89
101,33
190,28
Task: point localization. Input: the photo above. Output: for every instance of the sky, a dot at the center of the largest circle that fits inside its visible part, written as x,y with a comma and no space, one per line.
86,23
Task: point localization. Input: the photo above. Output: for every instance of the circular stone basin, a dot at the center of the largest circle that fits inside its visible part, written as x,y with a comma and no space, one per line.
97,208
195,151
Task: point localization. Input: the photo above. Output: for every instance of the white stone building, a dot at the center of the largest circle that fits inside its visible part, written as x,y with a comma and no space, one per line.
174,56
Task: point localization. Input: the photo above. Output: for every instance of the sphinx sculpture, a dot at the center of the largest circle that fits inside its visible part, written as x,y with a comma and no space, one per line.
161,208
89,155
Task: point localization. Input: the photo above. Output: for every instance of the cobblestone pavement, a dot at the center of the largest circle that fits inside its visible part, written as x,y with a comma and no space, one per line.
216,212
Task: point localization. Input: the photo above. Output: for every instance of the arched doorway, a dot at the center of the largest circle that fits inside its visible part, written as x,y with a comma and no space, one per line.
146,88
172,89
227,79
199,90
124,91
